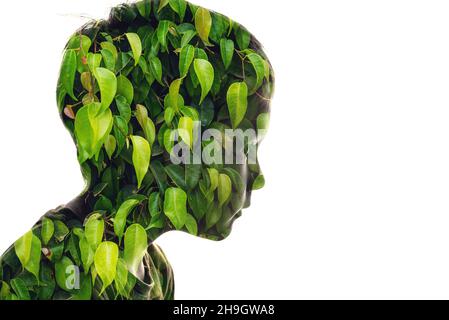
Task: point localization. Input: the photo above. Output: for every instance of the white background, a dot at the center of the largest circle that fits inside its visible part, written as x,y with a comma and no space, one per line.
356,160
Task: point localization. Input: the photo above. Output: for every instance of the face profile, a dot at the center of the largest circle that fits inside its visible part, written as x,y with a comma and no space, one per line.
167,103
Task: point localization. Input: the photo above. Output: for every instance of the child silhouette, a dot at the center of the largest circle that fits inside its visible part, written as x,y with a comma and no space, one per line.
167,103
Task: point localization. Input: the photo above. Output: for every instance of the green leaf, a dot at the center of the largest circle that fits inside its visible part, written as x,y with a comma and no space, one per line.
169,114
122,214
237,99
205,73
207,112
185,130
110,47
187,37
227,51
123,107
108,58
173,93
47,283
144,8
220,26
47,231
22,247
185,59
191,225
61,230
162,31
192,175
175,207
259,66
87,253
213,216
110,145
125,88
141,157
154,204
82,44
34,261
20,288
107,83
243,38
176,173
263,121
146,123
136,46
213,176
224,189
85,290
94,230
105,262
259,182
5,290
68,71
86,81
203,23
92,127
179,6
94,60
162,4
121,278
64,273
136,244
156,69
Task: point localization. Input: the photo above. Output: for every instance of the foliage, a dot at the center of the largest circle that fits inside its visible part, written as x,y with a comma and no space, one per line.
124,88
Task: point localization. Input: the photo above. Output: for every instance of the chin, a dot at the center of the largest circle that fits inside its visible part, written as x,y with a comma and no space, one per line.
222,233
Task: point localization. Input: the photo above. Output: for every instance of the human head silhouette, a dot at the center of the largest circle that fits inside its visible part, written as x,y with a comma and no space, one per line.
158,85
167,103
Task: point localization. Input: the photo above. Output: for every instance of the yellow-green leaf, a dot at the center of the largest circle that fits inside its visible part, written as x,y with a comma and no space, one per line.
125,88
105,262
141,157
110,145
34,262
94,60
87,253
22,247
203,23
47,230
107,83
191,225
224,189
205,73
213,176
136,244
237,99
175,207
146,123
169,114
110,46
92,127
136,46
185,130
173,93
94,230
